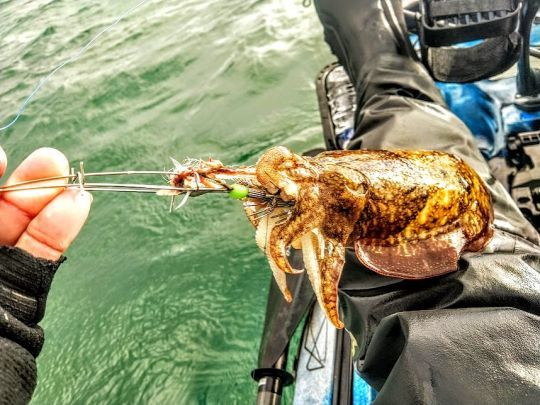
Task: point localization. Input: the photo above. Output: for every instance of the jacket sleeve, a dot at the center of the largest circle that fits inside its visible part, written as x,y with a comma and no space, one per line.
24,284
469,337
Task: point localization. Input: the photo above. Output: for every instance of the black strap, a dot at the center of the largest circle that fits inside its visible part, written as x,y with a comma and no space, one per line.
457,7
451,35
487,59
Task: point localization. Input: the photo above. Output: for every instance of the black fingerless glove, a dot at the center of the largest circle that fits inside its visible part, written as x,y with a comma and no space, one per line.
24,285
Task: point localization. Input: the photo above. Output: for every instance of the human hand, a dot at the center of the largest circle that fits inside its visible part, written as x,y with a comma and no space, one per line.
42,222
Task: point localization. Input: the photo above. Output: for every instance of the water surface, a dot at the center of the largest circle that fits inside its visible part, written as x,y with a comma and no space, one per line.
153,307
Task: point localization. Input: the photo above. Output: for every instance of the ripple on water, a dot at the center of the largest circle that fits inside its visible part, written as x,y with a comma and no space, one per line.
153,307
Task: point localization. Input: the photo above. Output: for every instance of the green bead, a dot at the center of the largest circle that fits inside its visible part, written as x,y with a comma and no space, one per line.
238,191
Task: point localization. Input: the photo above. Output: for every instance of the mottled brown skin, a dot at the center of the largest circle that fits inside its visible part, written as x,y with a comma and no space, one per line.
417,195
409,214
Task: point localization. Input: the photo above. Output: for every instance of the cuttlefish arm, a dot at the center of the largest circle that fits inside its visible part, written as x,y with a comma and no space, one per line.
324,259
328,202
327,211
264,228
274,239
342,198
305,217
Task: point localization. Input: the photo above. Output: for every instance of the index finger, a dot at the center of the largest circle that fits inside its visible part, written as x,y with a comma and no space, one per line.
3,161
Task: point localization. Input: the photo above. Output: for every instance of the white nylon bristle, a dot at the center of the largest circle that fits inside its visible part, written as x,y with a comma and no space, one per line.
184,201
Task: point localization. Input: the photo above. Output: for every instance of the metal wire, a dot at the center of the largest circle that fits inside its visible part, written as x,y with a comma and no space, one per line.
119,187
79,180
81,176
73,58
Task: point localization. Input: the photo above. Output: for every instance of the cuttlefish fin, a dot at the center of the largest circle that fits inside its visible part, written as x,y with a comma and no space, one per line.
417,259
324,259
262,236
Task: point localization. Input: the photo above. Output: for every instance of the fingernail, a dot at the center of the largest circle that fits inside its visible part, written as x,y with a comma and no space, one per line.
84,196
3,158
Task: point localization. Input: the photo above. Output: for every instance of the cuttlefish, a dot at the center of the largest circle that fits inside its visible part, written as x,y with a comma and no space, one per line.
408,214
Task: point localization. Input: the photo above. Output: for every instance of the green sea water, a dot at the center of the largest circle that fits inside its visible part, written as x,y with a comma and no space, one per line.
153,307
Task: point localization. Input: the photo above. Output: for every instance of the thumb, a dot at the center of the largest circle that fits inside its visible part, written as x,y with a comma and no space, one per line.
3,161
51,232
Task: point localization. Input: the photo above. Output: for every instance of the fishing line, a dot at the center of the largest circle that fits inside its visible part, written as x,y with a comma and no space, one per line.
72,59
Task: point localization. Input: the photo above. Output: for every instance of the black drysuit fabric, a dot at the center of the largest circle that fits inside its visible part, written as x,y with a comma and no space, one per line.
469,337
24,285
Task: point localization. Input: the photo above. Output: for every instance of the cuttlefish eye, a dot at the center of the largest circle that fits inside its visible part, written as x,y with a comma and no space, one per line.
270,168
304,172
